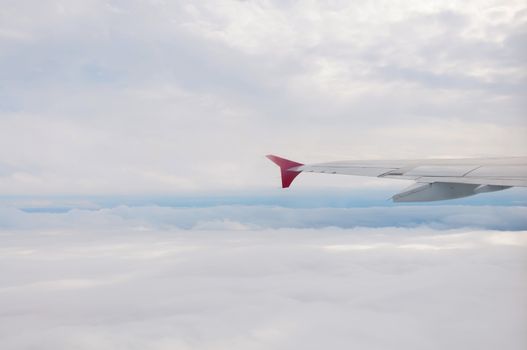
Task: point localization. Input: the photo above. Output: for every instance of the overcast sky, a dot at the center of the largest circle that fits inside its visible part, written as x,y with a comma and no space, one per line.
100,97
150,219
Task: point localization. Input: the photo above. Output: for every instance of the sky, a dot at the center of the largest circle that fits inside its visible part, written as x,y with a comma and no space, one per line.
120,97
138,210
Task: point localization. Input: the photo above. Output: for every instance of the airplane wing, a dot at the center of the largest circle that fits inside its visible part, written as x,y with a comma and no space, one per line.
435,179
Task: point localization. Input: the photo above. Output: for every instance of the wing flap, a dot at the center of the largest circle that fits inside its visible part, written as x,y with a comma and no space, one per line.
473,180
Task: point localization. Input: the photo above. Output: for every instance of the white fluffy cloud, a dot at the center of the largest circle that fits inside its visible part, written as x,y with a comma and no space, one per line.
364,288
165,97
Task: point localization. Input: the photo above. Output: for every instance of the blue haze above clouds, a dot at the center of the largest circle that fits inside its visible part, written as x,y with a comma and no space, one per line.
137,210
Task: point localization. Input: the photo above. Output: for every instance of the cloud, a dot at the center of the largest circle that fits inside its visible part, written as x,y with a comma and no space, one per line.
155,97
245,217
262,289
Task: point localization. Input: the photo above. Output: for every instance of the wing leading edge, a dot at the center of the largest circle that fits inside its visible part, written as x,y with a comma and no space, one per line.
436,179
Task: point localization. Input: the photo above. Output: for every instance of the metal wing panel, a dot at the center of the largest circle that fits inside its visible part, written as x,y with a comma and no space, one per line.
502,175
441,170
373,168
345,170
499,175
473,180
503,171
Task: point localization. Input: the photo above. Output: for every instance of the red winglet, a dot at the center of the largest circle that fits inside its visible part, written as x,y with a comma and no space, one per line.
287,175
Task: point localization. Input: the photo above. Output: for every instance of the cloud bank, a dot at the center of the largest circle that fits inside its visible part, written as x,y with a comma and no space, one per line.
380,288
240,217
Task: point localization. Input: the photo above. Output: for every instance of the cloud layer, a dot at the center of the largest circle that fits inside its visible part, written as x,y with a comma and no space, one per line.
268,289
239,217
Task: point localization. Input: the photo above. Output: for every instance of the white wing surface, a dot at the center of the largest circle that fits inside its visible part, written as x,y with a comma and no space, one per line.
436,179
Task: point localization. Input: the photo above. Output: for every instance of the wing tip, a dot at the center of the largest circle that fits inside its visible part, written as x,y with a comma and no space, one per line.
285,165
